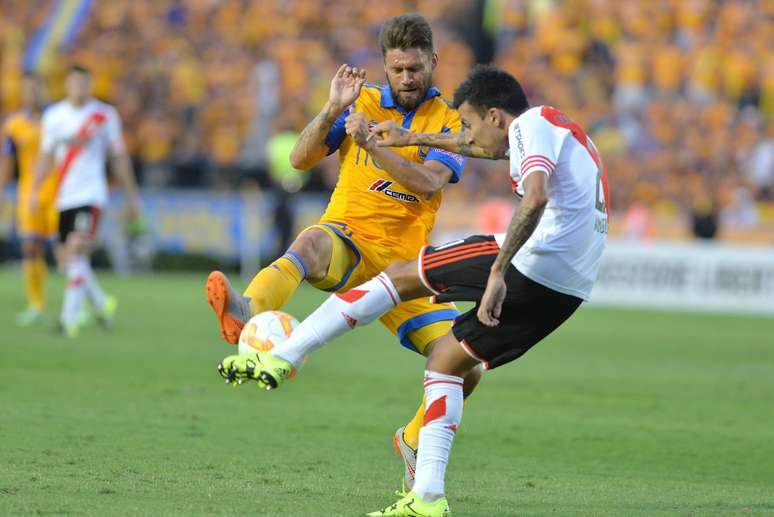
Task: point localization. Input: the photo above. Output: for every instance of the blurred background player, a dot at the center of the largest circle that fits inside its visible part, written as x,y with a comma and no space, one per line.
383,207
78,134
20,147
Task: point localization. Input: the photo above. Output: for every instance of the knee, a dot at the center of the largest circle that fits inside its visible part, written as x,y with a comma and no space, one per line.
399,271
32,248
447,357
76,244
405,278
314,246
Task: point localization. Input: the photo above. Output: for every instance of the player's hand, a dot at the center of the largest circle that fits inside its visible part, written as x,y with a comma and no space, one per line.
356,125
237,369
345,86
390,134
492,302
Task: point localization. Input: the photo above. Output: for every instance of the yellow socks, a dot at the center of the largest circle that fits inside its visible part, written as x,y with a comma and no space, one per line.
411,431
34,273
273,286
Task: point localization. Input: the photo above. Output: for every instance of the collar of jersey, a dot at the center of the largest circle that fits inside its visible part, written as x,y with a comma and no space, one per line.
388,101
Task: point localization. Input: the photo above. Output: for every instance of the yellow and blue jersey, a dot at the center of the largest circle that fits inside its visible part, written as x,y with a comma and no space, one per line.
367,200
378,220
21,139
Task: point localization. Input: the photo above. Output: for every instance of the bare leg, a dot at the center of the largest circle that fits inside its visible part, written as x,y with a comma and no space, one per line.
449,358
405,278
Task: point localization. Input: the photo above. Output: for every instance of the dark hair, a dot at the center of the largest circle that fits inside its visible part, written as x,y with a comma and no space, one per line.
406,31
78,69
486,86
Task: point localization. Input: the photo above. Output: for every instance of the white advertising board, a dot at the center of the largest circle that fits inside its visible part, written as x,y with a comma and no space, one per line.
693,276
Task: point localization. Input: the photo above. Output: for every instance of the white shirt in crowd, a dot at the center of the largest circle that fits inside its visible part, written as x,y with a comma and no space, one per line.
81,137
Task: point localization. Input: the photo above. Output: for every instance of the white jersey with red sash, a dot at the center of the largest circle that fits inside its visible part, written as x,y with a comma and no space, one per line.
565,250
80,138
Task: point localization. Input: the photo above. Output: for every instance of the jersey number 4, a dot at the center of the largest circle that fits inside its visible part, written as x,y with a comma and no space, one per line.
559,119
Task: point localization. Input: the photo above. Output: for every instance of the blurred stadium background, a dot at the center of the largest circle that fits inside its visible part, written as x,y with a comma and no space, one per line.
668,411
677,94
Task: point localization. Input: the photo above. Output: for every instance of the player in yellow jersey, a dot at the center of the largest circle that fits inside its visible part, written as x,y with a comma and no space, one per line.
20,143
383,207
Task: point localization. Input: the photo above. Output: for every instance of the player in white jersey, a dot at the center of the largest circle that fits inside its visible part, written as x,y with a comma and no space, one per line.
78,135
525,282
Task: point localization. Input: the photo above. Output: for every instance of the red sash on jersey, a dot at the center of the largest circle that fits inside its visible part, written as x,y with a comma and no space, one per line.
557,118
85,133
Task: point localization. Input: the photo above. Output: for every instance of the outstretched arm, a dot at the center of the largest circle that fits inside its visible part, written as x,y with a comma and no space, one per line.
524,222
310,147
393,135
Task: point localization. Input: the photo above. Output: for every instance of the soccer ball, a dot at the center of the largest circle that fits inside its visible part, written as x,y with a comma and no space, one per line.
266,330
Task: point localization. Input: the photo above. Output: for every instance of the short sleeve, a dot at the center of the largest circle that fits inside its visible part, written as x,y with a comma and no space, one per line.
336,133
455,162
537,143
113,132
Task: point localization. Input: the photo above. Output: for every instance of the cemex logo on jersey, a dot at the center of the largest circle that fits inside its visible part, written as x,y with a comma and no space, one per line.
382,185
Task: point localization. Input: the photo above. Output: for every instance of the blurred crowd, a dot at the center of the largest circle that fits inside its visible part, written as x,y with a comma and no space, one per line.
677,94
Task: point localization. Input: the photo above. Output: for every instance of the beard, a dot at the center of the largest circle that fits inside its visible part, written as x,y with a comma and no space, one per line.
409,100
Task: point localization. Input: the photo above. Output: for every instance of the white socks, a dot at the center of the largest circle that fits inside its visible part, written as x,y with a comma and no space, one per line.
81,282
360,306
93,290
75,291
340,313
442,416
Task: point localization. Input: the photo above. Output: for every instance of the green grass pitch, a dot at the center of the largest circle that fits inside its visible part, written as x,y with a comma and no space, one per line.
618,413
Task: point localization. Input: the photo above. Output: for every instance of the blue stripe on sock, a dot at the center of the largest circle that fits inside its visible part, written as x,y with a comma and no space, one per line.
296,259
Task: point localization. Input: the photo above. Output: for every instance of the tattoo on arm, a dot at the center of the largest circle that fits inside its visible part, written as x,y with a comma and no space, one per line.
314,133
521,227
456,143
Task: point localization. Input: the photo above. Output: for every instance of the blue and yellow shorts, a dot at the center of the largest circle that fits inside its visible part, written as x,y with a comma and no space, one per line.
354,260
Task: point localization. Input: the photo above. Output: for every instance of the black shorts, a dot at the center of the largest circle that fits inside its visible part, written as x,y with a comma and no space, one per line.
459,271
84,219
